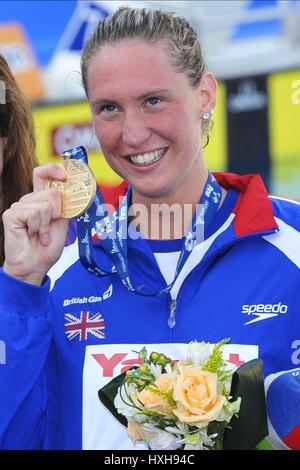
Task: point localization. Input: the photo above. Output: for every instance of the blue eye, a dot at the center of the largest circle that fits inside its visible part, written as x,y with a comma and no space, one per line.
108,108
153,100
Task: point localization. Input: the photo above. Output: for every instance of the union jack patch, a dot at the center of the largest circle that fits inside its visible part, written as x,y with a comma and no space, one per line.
87,322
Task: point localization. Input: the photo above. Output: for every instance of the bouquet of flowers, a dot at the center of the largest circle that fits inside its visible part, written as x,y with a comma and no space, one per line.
179,405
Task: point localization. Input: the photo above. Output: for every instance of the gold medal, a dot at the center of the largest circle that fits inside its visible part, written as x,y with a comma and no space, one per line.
78,190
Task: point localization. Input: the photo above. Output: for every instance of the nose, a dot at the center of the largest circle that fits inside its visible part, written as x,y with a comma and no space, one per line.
134,131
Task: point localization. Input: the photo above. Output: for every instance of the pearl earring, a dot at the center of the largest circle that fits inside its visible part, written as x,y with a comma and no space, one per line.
207,115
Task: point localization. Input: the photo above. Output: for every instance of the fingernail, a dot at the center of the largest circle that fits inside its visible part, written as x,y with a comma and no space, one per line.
45,239
60,173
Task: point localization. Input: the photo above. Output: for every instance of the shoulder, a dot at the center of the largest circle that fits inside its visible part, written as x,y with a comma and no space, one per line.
287,239
287,211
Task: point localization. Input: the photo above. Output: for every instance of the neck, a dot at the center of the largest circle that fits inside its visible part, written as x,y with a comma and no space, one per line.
168,217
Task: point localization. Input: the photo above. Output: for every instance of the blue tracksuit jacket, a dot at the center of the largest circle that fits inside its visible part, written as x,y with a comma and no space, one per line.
57,349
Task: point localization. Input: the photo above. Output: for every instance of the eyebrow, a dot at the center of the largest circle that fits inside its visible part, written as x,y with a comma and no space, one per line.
101,101
154,92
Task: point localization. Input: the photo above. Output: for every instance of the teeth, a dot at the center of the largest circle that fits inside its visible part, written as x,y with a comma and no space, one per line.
147,158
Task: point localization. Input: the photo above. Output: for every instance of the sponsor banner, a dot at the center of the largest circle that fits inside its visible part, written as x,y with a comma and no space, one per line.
255,131
100,430
248,137
16,49
263,115
284,119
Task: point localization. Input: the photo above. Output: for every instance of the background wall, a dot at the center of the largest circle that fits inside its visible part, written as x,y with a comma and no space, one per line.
253,47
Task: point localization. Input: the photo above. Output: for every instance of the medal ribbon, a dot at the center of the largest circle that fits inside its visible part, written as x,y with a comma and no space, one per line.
112,230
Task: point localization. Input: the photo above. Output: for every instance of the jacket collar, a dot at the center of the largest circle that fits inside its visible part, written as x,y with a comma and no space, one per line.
253,209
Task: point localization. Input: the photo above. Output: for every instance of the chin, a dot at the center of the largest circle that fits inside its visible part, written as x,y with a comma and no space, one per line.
157,196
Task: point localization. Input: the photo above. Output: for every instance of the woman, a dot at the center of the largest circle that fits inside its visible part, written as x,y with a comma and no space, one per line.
219,270
17,145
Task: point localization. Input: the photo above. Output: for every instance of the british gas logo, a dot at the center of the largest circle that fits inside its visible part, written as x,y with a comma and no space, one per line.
91,299
264,311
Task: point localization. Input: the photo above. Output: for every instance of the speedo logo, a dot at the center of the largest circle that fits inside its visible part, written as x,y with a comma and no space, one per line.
264,311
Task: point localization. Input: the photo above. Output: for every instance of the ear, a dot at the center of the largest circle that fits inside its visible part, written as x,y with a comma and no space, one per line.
207,93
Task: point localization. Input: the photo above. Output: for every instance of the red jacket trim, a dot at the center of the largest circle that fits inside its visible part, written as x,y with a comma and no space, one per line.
253,209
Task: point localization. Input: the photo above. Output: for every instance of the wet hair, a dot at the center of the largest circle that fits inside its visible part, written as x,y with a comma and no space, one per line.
151,26
19,156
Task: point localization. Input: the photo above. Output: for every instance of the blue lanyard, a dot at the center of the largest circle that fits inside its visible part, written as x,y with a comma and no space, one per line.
112,231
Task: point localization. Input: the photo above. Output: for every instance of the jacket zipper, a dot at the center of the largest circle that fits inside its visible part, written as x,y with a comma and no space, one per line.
172,320
173,304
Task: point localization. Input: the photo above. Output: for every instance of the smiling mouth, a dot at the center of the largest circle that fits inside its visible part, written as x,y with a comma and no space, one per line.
148,158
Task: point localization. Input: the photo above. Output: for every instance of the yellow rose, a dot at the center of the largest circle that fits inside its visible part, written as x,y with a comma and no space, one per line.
135,431
195,392
152,398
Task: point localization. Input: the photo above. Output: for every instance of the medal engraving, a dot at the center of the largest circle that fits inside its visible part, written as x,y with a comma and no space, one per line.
78,190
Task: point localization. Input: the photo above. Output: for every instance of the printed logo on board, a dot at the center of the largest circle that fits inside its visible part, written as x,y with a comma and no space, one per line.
103,362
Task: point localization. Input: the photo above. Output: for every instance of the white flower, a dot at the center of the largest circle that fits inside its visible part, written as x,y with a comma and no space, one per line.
224,385
180,428
156,370
122,402
229,409
198,440
158,439
139,418
198,353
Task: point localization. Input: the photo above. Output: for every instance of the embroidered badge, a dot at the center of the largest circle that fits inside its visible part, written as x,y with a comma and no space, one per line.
87,323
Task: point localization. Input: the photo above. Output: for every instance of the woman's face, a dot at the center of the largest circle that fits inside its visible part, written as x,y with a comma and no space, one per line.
147,118
2,140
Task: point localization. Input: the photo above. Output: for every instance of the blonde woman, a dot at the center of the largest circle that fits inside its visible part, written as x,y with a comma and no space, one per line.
227,267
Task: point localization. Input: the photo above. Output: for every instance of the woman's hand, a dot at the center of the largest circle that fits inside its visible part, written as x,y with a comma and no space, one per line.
34,232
